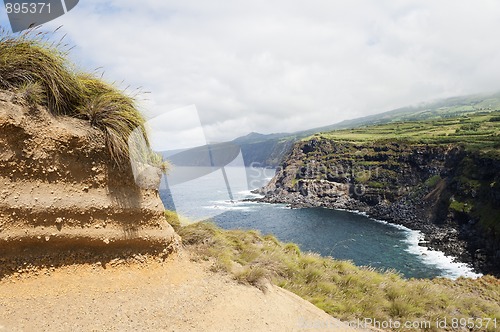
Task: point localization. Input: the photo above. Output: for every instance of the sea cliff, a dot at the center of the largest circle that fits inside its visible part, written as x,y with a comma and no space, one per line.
446,191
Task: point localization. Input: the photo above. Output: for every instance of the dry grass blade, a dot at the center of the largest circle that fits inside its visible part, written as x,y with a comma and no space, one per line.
32,94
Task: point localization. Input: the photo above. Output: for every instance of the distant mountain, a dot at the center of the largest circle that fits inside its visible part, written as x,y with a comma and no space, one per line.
256,137
444,108
269,149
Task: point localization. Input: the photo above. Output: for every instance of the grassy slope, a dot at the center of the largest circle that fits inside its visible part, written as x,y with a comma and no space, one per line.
338,287
477,131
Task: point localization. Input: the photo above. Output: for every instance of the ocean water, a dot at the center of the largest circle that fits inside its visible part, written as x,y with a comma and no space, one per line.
219,195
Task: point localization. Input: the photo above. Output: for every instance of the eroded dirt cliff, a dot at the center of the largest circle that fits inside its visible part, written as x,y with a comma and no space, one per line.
60,190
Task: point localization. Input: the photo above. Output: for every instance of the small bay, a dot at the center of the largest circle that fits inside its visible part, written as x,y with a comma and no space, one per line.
340,234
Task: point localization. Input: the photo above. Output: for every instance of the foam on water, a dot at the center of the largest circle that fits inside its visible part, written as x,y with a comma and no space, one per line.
451,268
227,205
227,208
249,194
376,220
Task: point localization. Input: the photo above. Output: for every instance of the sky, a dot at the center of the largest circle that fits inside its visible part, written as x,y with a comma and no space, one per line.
283,65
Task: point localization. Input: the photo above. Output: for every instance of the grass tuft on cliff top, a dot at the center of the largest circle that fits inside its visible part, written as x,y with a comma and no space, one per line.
338,287
29,58
113,112
39,71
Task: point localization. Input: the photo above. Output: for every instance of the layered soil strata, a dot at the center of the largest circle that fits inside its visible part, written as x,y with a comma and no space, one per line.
60,190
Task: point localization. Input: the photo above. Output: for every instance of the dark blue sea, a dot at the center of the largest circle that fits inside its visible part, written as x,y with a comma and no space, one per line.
219,196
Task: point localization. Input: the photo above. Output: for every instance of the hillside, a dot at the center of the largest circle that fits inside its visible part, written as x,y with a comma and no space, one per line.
61,190
440,109
270,150
354,294
440,176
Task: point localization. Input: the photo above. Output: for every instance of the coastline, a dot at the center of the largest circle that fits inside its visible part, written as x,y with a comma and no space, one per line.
431,239
416,241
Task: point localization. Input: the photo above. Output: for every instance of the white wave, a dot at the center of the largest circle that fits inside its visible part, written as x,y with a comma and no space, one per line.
404,228
401,227
227,202
361,213
248,194
228,208
252,203
283,206
451,268
227,205
437,258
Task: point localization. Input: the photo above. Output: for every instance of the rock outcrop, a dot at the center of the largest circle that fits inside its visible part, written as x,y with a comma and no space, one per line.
60,190
448,193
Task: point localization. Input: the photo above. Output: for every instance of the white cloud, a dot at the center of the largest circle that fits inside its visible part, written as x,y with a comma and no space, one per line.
289,65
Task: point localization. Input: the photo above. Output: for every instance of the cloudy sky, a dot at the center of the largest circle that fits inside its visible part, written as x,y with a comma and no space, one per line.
286,65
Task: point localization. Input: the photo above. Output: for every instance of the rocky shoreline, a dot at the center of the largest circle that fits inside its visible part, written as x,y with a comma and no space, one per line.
444,238
412,186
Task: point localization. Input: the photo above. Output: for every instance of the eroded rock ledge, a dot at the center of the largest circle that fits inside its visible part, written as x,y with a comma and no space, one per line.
60,190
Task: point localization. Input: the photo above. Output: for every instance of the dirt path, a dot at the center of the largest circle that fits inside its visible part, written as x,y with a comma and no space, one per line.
177,295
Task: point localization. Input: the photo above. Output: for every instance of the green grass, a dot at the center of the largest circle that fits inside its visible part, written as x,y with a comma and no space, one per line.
432,181
29,58
375,184
32,94
478,131
338,287
460,206
114,113
40,73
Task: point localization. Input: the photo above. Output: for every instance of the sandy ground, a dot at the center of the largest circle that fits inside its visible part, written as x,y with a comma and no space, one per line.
176,295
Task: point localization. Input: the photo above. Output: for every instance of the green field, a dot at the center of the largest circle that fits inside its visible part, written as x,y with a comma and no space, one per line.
475,130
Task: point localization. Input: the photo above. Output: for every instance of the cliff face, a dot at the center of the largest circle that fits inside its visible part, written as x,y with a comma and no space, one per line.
59,188
266,153
450,194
